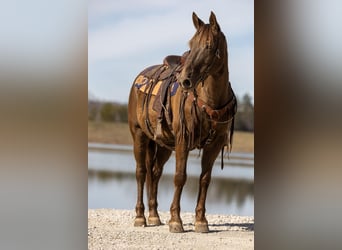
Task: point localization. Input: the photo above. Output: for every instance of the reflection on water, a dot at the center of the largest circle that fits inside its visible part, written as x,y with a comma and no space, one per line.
107,189
112,184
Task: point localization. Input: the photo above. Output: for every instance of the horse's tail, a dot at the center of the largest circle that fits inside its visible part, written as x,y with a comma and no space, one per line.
231,133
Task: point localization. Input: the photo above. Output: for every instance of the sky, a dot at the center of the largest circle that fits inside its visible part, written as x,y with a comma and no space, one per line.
124,37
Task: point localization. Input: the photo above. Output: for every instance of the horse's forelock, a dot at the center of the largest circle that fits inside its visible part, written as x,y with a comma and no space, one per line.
202,36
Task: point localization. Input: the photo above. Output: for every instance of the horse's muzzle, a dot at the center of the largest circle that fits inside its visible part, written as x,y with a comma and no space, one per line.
186,84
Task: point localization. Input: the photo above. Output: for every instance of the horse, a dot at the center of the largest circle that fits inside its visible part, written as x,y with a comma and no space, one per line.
199,114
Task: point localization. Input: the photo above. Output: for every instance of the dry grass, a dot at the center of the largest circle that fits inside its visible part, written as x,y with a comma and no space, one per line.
118,133
107,132
243,142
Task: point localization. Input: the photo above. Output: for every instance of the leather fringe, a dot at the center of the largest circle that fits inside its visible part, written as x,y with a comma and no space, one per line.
182,127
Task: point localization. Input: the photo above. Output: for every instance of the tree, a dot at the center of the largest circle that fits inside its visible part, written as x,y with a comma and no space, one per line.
107,112
244,118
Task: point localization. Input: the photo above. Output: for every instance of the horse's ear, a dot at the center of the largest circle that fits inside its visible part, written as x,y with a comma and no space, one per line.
213,23
197,22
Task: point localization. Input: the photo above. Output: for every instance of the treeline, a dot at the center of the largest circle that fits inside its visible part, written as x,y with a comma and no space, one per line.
115,112
244,118
107,111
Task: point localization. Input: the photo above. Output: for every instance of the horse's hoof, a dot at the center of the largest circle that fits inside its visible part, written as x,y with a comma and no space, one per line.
201,227
176,227
140,222
154,221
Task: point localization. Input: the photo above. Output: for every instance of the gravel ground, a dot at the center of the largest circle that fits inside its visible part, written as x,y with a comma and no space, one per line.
113,229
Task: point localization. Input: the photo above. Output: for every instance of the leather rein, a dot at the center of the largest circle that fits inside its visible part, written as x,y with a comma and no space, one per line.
222,115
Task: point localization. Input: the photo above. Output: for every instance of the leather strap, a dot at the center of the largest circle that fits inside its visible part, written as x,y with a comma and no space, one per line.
214,114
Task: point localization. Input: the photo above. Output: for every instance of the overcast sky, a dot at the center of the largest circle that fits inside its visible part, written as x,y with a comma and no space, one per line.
127,36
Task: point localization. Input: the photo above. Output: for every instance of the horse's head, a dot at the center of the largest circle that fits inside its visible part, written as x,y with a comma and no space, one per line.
206,52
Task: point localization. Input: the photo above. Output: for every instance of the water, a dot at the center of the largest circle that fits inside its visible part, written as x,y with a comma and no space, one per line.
112,184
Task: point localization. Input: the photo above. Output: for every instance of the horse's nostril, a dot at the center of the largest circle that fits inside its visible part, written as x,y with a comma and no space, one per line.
186,83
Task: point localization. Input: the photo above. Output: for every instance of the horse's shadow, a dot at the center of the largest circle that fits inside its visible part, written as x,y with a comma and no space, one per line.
249,227
242,226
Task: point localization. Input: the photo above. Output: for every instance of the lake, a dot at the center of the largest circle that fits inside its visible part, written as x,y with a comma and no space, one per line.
112,184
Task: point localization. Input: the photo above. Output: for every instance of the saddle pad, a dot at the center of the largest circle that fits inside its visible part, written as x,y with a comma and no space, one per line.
143,84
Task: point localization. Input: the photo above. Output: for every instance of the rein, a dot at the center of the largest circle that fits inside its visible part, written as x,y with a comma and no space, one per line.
215,117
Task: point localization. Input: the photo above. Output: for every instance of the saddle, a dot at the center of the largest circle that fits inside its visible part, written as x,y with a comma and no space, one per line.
172,61
161,82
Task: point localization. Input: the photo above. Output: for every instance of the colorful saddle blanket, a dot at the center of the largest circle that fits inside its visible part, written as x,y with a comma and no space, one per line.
143,83
159,81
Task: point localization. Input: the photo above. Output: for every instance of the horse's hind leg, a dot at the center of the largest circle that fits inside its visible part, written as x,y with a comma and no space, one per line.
140,145
157,156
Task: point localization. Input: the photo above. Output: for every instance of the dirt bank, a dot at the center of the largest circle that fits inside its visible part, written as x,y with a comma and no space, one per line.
113,229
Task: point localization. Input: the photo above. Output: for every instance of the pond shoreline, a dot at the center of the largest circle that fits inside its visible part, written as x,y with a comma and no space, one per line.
113,229
118,133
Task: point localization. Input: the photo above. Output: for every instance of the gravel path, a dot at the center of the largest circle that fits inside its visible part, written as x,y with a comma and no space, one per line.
113,229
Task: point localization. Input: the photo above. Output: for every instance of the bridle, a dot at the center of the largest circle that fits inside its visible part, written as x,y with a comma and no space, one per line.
221,115
210,66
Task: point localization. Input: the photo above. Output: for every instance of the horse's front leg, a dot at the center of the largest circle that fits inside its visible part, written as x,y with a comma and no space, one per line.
208,159
175,223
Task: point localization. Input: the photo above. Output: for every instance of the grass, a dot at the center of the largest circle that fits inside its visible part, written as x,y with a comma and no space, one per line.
118,133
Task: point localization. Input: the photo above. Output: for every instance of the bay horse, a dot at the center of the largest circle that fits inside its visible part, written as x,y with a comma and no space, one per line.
199,114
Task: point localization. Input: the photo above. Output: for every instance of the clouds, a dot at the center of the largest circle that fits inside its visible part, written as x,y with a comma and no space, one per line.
130,36
120,31
143,27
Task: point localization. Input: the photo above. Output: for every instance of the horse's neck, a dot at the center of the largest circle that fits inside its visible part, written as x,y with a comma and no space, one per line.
215,90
